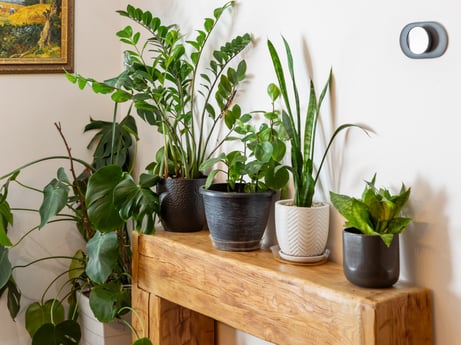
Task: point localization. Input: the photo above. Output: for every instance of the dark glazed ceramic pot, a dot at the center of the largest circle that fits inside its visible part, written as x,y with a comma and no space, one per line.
368,262
181,205
236,220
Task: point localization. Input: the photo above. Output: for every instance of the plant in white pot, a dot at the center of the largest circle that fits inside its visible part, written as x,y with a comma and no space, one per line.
302,225
183,86
371,235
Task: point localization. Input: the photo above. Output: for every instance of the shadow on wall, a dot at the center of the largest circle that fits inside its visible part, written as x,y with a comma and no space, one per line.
426,258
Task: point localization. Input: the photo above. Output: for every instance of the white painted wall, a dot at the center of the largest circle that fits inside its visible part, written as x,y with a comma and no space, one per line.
411,104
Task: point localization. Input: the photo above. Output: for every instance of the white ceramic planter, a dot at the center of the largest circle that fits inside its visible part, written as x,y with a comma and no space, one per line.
95,332
302,231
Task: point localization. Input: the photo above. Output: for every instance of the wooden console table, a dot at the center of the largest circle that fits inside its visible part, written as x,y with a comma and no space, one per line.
181,285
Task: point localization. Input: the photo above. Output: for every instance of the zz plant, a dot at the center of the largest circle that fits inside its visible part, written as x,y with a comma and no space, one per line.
377,212
177,86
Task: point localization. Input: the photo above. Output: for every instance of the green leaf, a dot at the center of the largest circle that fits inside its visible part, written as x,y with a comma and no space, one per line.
63,333
6,217
102,256
5,266
99,198
137,202
77,265
106,300
14,298
37,315
55,197
142,341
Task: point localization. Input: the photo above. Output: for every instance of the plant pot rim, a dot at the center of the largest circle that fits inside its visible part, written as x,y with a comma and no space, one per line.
289,203
213,192
355,231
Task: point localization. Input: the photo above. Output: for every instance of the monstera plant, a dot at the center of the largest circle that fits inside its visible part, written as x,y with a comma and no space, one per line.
102,268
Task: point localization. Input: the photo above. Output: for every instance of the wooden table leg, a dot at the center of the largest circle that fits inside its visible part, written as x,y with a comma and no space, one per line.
172,324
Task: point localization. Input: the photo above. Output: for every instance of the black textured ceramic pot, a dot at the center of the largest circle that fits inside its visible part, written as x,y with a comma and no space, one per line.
368,262
181,205
236,220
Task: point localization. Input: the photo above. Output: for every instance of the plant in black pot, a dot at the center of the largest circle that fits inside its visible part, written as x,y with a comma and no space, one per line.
370,238
102,267
183,87
302,224
237,210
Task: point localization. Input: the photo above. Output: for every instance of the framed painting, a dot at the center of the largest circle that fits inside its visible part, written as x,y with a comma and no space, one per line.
36,36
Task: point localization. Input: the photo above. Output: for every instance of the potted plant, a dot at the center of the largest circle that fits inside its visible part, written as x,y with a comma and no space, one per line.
237,209
370,238
301,224
184,92
103,267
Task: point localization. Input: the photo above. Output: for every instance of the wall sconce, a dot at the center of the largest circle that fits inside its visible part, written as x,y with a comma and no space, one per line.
423,40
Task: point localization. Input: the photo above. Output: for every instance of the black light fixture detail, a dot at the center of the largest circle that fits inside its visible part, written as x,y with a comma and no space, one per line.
423,40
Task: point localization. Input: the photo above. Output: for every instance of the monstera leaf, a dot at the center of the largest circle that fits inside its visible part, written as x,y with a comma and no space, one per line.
64,333
103,256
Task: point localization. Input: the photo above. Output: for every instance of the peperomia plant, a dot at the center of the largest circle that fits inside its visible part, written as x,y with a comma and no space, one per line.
258,165
377,212
177,86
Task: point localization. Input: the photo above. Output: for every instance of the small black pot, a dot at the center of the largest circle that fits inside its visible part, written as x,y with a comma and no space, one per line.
368,262
236,220
181,205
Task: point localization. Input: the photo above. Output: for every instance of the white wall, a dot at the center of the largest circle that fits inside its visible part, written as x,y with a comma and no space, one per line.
411,104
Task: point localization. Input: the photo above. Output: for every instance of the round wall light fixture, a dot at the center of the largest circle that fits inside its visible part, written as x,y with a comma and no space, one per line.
423,40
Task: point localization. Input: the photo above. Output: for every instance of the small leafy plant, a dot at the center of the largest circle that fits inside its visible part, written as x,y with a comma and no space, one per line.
305,173
377,212
258,166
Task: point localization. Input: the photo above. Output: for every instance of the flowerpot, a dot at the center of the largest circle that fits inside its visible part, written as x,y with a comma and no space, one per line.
236,220
368,262
301,231
95,332
181,205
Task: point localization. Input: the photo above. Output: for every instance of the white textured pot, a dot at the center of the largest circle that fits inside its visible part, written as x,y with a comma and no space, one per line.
302,231
95,332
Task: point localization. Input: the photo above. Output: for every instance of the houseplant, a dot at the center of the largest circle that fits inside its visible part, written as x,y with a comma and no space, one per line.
184,91
301,224
370,239
103,267
237,209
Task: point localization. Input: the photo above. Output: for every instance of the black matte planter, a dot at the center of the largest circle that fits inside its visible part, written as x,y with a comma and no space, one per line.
368,262
236,220
181,205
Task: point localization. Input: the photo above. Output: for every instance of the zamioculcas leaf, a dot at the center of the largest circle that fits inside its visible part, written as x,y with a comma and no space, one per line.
103,256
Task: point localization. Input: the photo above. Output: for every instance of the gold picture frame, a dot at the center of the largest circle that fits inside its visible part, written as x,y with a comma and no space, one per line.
36,39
